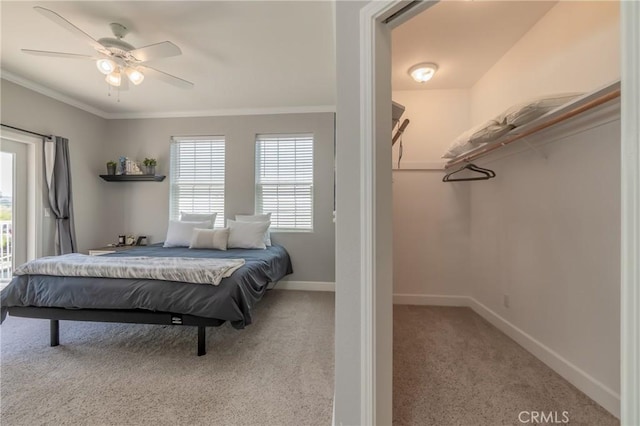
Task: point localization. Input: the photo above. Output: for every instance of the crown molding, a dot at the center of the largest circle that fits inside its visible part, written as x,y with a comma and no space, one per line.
20,81
226,112
9,76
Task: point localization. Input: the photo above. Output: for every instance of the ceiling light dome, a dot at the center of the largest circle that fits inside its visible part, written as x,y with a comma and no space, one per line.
105,66
423,72
114,79
134,75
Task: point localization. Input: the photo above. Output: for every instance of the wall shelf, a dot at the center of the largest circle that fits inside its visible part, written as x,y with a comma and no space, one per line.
133,178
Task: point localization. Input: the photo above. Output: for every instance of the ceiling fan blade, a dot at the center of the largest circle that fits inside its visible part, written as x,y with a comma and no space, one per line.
167,78
57,54
164,49
53,16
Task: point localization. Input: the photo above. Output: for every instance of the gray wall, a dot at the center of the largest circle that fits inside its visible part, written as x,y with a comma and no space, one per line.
30,110
104,210
348,261
142,208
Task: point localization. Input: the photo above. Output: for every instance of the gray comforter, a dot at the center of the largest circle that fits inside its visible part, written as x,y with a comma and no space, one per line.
231,301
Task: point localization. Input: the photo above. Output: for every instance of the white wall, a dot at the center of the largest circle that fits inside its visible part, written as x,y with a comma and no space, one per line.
573,48
29,110
430,218
546,232
436,117
142,208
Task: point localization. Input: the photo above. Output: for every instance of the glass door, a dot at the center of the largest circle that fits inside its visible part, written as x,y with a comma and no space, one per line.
13,207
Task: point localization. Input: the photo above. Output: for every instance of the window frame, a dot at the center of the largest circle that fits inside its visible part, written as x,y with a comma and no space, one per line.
260,137
174,210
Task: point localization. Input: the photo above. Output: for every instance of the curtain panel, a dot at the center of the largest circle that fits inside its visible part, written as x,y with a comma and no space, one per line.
58,180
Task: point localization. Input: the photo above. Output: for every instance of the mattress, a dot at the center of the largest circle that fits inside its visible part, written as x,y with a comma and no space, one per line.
232,300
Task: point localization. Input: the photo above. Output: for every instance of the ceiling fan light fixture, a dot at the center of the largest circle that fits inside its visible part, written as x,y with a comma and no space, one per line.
423,72
134,75
114,79
105,66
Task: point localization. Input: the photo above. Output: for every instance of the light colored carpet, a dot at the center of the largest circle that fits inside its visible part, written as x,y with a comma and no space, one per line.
277,371
451,367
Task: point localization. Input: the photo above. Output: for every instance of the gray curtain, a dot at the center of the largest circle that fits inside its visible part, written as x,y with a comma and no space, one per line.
58,179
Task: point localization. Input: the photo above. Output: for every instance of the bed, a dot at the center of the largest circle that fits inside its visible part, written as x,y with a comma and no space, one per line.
150,301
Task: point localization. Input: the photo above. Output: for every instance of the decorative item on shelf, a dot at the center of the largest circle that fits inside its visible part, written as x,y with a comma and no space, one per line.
111,167
150,165
128,166
130,240
142,240
122,239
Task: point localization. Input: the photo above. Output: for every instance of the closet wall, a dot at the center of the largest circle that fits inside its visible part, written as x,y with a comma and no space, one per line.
545,232
430,219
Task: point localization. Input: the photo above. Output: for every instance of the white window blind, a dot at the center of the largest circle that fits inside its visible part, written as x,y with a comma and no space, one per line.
284,180
197,176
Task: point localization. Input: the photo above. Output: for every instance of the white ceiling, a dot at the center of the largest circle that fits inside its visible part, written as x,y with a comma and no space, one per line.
465,38
240,55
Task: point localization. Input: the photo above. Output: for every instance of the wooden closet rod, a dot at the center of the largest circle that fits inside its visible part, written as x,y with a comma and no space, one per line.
480,152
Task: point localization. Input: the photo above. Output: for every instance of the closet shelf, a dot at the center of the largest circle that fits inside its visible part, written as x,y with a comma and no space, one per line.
560,114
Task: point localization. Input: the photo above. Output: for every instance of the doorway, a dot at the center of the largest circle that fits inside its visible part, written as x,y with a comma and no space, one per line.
374,373
21,201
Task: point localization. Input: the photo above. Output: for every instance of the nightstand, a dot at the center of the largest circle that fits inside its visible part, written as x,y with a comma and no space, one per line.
108,249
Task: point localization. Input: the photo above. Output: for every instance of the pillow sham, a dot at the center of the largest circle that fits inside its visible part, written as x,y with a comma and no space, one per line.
198,217
266,217
179,232
209,238
247,235
477,136
525,112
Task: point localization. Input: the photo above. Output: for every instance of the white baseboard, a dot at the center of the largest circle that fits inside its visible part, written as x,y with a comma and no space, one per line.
429,299
596,390
304,285
593,388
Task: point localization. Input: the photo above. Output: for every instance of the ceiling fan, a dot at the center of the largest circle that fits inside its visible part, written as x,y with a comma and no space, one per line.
115,57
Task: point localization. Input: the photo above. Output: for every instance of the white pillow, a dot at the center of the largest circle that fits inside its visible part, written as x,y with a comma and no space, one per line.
477,136
198,217
528,111
179,232
248,235
209,238
257,218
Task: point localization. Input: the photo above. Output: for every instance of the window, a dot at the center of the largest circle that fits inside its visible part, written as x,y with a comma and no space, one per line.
284,180
197,176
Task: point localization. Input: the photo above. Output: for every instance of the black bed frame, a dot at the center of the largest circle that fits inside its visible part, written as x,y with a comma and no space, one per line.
136,316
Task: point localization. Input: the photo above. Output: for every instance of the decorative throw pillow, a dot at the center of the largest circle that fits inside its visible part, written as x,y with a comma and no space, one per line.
179,232
209,238
198,217
526,112
247,235
257,218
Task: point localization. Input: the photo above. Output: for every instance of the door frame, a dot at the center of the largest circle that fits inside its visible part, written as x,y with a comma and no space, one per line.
35,179
376,300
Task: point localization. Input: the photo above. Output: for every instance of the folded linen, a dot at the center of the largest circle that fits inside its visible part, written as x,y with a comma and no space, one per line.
185,269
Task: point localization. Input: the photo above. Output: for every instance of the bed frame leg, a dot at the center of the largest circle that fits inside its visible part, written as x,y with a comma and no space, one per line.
55,332
202,340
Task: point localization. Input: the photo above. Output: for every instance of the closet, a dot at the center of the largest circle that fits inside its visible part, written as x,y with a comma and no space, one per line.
535,248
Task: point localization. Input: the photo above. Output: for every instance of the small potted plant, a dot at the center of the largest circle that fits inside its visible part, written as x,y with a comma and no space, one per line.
150,165
111,167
